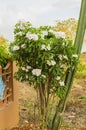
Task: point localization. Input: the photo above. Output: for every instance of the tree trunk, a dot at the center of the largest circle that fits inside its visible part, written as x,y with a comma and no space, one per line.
44,98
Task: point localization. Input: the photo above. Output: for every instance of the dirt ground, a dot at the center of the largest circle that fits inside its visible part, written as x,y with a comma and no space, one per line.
74,116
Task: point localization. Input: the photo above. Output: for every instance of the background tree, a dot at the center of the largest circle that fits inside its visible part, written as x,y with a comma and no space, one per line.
68,26
4,52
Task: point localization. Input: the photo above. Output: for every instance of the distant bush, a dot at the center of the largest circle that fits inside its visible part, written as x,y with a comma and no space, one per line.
81,72
4,52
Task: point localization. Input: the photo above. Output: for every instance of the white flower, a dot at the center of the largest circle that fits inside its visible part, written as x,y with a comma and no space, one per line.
45,33
75,55
28,67
59,34
61,83
23,68
44,76
61,66
32,36
21,21
15,48
65,57
51,63
21,24
23,46
19,33
26,121
48,47
43,47
42,36
26,70
36,72
63,43
58,78
48,62
51,31
60,57
27,34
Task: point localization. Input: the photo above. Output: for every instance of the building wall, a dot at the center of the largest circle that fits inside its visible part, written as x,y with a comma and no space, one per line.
9,115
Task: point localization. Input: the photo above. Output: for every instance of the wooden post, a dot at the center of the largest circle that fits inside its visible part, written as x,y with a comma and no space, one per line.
9,112
0,71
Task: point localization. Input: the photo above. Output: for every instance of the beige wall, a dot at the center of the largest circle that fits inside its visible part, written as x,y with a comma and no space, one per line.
9,115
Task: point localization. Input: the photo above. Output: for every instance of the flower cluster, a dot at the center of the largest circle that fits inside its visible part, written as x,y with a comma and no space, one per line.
32,36
44,47
36,72
42,53
51,63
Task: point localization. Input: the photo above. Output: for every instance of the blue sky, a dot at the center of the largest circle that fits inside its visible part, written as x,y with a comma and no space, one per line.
38,12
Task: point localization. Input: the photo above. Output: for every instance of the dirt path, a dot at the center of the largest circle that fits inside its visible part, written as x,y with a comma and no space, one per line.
75,113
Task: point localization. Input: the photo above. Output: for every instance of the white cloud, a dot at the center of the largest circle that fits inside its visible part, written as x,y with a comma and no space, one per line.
67,3
38,12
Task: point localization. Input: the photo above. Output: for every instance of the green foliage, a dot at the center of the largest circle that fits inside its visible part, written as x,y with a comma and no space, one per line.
42,54
68,26
81,69
4,53
43,57
83,97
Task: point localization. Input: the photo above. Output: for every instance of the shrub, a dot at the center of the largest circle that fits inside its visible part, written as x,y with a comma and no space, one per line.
4,53
43,57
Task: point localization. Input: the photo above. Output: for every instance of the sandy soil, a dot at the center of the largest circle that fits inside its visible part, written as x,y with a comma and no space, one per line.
74,116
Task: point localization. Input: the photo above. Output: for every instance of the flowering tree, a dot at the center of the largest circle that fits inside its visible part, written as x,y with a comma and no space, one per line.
43,57
69,26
